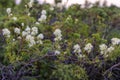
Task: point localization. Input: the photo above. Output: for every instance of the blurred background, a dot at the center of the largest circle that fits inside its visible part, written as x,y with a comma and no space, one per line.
66,2
82,2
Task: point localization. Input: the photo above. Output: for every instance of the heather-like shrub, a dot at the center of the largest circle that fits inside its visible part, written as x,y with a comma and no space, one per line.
45,42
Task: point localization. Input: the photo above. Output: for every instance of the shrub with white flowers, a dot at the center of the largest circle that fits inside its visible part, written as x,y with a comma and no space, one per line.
39,30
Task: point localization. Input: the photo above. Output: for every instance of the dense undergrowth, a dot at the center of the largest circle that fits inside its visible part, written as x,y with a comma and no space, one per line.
44,42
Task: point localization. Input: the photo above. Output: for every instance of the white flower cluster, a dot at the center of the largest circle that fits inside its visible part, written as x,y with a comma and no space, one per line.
104,49
30,4
14,18
34,31
57,52
39,38
77,49
31,40
37,23
17,30
59,5
43,16
26,32
110,49
22,24
43,12
30,34
6,32
88,47
115,41
8,10
51,8
58,35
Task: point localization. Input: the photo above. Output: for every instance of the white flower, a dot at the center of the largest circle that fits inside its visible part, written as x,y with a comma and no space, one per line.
28,14
57,52
22,24
37,23
69,18
6,32
34,30
77,49
31,40
30,4
14,18
57,32
17,30
13,40
19,37
39,42
51,8
32,43
59,5
58,38
42,18
103,48
40,36
110,49
28,29
8,10
81,55
43,12
10,14
88,47
115,41
58,35
24,33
